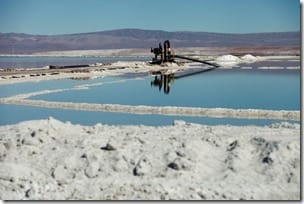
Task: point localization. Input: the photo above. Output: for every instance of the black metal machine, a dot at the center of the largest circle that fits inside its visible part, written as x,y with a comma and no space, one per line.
167,55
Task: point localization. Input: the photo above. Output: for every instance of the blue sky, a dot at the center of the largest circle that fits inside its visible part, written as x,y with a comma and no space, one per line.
76,16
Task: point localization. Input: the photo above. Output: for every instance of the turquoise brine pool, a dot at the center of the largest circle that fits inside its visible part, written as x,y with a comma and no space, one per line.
218,88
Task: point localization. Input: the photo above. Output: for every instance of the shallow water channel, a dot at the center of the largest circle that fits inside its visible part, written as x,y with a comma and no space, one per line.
240,89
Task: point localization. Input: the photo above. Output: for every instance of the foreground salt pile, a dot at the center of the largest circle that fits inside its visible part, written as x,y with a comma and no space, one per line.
42,160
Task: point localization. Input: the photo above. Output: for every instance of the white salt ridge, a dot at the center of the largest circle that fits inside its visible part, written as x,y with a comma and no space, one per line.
162,110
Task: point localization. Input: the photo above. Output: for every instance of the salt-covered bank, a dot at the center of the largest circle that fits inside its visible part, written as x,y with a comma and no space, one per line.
49,159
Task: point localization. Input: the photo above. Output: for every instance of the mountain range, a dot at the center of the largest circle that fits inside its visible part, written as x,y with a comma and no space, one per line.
19,43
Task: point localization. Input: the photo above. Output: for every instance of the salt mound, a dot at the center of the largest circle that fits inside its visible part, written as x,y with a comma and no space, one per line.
249,57
231,60
228,58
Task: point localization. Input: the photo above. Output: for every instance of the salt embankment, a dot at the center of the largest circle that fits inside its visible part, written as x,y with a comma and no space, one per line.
122,67
42,160
93,71
24,99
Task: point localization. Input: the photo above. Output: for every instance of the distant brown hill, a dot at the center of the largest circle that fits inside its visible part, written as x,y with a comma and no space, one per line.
15,43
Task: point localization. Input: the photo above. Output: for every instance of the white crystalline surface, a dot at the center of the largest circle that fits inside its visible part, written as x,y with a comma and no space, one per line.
50,159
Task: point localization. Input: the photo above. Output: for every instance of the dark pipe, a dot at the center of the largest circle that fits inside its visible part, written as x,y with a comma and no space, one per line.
194,73
166,47
161,53
165,52
68,66
167,43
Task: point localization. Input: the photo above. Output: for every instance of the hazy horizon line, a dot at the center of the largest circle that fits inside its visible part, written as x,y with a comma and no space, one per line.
181,31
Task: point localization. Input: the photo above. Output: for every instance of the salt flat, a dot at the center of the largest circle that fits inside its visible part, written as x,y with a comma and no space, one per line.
51,159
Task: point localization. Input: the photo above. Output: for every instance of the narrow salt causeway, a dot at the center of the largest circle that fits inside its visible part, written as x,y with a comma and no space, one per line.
163,110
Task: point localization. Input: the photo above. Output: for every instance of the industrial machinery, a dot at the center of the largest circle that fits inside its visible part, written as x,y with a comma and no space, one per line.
167,55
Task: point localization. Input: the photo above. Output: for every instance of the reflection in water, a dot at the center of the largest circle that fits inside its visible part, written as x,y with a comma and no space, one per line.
167,79
163,80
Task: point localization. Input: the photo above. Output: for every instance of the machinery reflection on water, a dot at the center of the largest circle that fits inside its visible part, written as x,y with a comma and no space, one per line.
164,80
167,55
